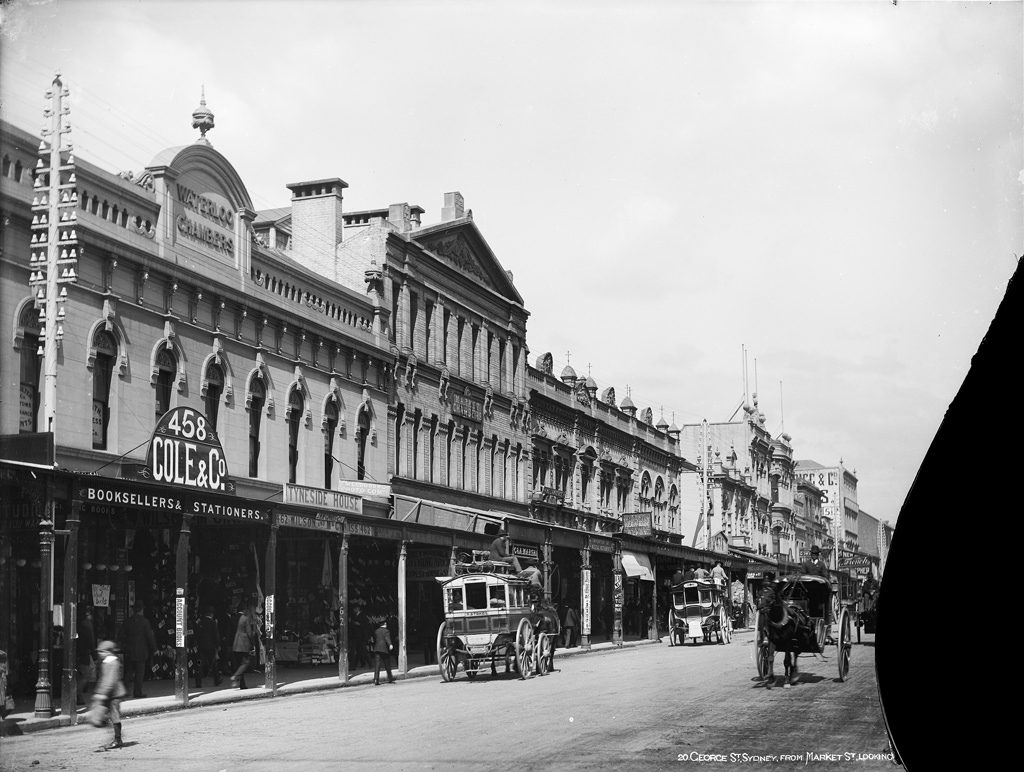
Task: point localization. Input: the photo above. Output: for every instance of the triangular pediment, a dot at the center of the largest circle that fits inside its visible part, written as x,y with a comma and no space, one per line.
460,246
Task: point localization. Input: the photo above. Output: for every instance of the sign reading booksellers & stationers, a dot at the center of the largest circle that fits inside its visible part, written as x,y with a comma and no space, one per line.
186,458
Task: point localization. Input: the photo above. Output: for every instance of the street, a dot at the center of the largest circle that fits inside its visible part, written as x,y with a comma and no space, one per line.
646,707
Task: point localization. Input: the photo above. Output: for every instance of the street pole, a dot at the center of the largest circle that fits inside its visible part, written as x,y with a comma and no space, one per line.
53,256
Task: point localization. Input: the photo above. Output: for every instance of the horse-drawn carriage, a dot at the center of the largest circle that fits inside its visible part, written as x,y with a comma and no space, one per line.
798,616
699,609
493,616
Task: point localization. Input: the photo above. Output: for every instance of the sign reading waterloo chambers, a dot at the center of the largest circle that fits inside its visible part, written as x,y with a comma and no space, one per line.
185,451
323,499
206,219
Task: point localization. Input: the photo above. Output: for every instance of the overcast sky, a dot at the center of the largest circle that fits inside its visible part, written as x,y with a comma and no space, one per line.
835,186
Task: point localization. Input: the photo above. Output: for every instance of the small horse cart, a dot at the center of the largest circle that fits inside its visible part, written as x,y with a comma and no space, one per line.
492,616
699,608
798,617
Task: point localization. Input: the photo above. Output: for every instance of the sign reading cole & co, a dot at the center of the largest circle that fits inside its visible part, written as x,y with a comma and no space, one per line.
185,451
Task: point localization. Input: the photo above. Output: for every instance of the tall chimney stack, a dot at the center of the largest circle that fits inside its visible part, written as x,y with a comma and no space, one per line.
317,223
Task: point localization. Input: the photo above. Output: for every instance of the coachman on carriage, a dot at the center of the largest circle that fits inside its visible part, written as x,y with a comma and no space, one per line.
494,615
796,615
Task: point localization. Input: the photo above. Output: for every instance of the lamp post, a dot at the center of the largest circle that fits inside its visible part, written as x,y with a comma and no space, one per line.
53,257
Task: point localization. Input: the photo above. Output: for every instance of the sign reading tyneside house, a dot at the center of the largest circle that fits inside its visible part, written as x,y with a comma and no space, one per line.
637,523
321,498
185,451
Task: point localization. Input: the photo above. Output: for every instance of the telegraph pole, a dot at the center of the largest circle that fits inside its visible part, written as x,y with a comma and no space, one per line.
53,261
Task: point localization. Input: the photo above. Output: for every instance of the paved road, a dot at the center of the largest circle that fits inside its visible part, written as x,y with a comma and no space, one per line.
650,707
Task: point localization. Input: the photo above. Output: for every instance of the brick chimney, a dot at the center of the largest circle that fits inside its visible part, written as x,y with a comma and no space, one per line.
454,207
317,223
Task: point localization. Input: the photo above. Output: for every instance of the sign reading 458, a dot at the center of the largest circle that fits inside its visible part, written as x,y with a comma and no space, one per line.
185,451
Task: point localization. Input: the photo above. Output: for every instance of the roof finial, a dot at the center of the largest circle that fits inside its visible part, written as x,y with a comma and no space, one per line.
202,118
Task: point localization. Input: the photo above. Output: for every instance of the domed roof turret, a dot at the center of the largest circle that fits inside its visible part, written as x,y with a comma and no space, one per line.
568,374
627,403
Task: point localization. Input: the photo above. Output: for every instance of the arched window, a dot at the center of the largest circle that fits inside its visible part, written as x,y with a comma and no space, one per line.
214,392
448,456
399,422
296,407
363,431
31,369
432,470
256,404
102,375
330,428
417,427
167,368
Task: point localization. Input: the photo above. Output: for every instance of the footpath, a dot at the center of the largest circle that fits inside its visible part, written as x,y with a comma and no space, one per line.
303,679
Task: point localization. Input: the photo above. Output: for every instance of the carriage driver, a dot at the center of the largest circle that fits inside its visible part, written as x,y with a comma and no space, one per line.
500,552
818,600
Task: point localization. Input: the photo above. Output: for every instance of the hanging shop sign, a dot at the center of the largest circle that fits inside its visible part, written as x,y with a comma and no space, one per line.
185,451
585,600
523,551
360,488
637,523
329,522
179,619
322,499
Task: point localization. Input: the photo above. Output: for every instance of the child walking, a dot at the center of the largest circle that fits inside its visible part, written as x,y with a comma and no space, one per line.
106,699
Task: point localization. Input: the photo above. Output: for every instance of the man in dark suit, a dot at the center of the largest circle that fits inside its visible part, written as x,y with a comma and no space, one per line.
382,648
815,566
817,601
138,644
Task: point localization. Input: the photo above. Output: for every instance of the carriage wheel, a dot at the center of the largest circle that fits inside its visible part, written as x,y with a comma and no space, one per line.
725,633
671,627
447,658
526,649
762,651
545,654
844,644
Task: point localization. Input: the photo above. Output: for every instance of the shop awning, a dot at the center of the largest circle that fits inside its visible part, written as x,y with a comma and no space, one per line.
637,565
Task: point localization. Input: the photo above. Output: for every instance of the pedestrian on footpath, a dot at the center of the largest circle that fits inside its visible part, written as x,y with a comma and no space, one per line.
572,620
382,648
244,646
138,644
208,644
85,653
106,700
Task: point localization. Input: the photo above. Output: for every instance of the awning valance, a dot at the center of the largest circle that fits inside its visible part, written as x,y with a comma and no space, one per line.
637,565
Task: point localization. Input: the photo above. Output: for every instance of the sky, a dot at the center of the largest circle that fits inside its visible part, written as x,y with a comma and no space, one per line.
816,202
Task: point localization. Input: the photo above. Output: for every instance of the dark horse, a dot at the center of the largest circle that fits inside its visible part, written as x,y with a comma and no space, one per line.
789,627
544,619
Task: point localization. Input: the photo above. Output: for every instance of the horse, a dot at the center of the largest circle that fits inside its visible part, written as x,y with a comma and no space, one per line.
789,629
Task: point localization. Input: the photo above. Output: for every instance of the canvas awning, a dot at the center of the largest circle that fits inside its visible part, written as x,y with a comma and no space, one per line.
637,565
